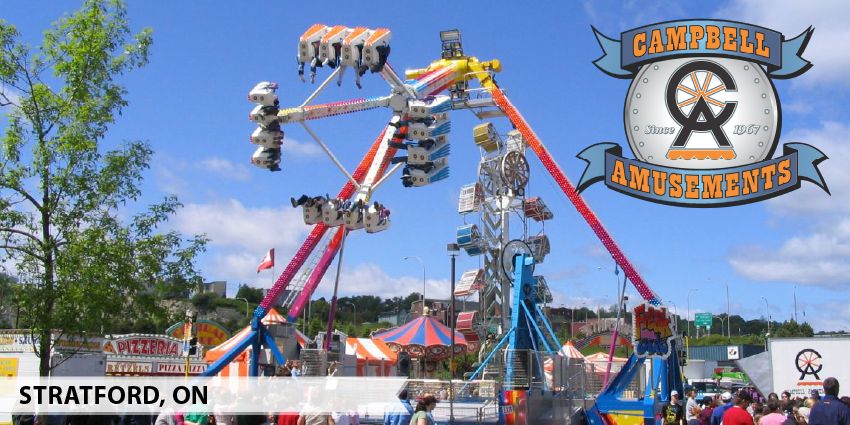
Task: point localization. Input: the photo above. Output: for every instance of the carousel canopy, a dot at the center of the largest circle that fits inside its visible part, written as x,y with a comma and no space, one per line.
423,336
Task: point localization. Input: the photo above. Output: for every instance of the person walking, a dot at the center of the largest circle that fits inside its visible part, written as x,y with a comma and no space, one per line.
422,414
707,410
401,417
829,410
717,415
772,415
692,408
737,414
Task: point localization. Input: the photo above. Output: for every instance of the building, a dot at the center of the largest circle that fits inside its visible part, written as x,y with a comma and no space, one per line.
724,355
440,308
218,287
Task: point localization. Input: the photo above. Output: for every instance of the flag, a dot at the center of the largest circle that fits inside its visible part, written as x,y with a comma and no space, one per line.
268,261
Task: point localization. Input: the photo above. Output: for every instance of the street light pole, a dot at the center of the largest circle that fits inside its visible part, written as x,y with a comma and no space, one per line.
689,309
421,263
246,305
728,313
767,313
675,314
795,304
453,249
353,307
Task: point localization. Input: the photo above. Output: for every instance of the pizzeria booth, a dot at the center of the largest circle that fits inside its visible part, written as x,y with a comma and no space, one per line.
149,355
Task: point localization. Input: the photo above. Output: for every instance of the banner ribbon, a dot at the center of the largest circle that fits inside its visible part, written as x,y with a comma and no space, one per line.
686,38
702,188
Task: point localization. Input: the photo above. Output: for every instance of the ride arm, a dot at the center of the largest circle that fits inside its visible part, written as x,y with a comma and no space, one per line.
380,160
560,177
315,235
324,110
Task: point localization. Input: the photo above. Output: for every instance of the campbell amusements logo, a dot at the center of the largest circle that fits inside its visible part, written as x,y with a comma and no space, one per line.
702,116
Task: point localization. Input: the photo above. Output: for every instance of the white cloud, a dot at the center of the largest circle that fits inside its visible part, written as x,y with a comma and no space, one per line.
819,254
828,17
631,13
11,96
231,224
797,107
832,139
226,168
240,236
169,181
830,316
368,278
300,149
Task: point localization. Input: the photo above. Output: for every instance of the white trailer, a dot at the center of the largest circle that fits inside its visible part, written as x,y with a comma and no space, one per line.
800,365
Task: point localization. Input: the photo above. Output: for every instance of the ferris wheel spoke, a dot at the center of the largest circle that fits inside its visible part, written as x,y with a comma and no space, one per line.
716,89
688,102
687,90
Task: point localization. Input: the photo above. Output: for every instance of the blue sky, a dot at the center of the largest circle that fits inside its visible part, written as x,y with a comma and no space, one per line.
189,103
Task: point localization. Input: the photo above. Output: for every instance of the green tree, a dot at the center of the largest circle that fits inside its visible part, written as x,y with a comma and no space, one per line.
253,295
7,300
80,264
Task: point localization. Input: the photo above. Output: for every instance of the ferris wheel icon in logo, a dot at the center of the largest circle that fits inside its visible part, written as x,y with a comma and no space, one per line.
809,363
702,115
696,112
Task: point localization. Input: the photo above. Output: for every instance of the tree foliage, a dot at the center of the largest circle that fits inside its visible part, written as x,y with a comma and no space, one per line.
64,196
253,295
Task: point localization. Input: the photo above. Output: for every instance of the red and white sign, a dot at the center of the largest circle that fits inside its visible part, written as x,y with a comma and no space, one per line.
128,368
144,345
180,368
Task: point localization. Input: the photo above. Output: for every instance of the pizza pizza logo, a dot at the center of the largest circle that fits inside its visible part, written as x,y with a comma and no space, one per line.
702,116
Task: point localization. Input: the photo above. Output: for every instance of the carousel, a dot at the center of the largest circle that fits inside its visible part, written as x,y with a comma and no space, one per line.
425,340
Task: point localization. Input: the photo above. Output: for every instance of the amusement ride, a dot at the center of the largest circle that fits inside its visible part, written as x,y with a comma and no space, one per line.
497,212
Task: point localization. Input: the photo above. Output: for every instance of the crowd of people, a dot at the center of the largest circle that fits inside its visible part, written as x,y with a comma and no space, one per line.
742,409
408,414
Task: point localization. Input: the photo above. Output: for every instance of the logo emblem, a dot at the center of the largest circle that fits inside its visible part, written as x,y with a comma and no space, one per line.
808,363
702,116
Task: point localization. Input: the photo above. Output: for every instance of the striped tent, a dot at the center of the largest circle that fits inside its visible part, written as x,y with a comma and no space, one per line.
374,357
599,361
239,365
569,350
423,337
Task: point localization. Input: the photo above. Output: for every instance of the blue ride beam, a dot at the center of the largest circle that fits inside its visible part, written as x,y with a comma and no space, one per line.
549,326
228,357
540,335
491,355
258,329
278,356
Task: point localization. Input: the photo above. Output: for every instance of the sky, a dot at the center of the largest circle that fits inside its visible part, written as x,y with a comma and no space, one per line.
190,104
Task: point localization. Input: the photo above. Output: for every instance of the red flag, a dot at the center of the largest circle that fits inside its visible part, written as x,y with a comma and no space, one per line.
268,261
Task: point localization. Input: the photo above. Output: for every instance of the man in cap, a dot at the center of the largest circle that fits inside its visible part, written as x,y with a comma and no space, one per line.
737,414
830,410
673,413
717,415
